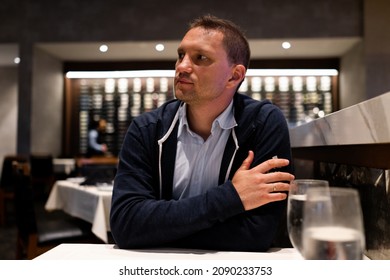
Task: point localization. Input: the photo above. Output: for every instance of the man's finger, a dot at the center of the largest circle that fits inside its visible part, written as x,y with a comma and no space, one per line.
270,164
248,161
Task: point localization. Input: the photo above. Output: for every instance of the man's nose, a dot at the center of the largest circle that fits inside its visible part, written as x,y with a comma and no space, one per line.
184,65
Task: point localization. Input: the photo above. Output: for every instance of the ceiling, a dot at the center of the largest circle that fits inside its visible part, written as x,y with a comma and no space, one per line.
261,49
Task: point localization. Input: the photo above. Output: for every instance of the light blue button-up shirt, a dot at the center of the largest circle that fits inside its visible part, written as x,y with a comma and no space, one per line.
198,162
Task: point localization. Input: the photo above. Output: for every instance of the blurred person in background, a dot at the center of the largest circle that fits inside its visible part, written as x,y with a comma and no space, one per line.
96,145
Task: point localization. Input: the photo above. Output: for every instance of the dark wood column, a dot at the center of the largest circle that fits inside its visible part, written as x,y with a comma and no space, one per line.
24,98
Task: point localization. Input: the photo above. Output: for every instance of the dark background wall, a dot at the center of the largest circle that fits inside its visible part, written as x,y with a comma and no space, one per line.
91,20
376,36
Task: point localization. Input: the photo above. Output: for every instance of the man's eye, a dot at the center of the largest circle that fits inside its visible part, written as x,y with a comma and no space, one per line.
202,57
180,56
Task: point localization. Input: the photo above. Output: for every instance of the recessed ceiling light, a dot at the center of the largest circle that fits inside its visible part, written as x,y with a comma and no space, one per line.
286,45
103,48
160,47
17,60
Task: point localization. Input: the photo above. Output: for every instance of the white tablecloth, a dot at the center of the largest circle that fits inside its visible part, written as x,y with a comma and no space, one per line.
64,165
89,203
108,251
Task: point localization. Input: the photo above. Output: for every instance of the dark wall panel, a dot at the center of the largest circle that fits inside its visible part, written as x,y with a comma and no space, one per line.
90,20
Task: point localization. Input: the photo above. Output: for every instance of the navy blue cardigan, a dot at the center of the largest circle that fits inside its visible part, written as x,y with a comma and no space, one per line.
143,213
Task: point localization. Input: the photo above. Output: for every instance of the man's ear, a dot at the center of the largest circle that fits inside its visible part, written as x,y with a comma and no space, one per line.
238,75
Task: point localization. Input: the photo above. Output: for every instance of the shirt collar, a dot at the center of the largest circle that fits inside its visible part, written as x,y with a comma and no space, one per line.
225,120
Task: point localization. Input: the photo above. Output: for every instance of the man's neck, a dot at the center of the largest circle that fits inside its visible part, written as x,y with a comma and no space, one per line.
201,118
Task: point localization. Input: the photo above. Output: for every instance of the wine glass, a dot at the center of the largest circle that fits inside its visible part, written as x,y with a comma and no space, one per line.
333,225
295,204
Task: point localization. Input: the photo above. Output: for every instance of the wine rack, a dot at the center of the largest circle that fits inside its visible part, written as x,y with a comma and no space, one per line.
301,97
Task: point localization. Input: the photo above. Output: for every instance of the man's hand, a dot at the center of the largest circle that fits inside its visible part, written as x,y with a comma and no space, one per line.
258,186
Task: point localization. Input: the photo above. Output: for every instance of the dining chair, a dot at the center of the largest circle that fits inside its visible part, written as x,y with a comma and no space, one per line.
38,231
42,174
6,185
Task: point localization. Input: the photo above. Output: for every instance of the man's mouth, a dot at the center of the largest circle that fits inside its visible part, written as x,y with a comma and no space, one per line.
183,80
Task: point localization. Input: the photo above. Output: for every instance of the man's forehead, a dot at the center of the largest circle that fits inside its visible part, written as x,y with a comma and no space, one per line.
198,36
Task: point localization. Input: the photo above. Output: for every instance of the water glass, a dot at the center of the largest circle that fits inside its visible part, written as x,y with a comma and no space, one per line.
333,225
295,204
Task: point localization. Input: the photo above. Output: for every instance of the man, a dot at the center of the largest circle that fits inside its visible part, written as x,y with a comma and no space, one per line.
95,138
199,171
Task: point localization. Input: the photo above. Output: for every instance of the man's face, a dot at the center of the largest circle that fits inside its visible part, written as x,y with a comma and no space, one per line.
202,67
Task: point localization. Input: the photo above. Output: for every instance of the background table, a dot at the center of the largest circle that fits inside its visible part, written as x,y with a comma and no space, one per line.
89,203
64,165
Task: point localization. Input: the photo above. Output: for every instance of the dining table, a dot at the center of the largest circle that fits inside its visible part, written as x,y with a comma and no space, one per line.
90,203
107,261
64,165
111,252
